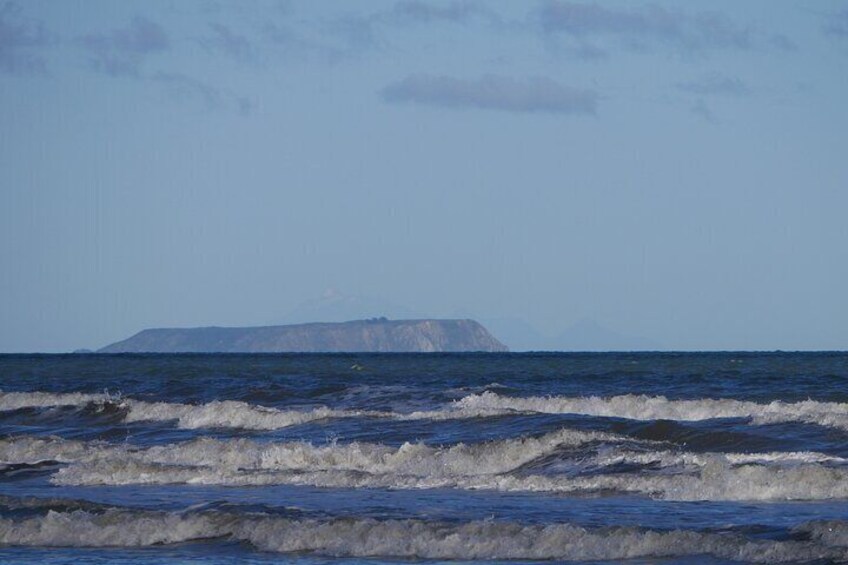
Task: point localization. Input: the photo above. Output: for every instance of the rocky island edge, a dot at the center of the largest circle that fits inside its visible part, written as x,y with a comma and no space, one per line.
376,335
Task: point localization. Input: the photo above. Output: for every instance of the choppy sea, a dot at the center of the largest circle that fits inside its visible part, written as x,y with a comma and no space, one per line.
356,458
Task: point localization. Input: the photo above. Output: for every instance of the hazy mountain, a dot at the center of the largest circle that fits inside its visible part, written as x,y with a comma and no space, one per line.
376,335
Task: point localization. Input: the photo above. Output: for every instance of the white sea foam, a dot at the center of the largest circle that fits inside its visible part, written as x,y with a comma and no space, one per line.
642,407
615,455
112,528
29,450
17,400
830,532
502,465
716,481
365,537
236,456
237,414
223,414
499,540
233,414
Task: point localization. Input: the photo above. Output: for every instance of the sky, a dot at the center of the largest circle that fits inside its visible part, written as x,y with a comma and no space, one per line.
671,173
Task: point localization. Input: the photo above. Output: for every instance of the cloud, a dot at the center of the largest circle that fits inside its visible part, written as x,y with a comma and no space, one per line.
367,31
493,93
636,26
182,86
700,109
18,39
121,52
837,24
782,42
416,11
225,41
715,84
324,40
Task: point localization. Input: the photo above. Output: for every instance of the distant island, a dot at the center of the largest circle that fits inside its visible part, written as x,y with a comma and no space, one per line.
378,335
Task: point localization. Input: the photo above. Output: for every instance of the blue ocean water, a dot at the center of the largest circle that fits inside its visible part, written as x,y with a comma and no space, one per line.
360,458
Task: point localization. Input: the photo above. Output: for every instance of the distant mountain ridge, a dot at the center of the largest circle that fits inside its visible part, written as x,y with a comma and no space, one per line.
374,335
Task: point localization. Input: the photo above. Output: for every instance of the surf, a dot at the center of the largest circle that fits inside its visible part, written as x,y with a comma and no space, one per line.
408,539
242,415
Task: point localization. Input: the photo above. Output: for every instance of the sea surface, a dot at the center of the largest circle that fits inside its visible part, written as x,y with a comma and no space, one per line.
357,458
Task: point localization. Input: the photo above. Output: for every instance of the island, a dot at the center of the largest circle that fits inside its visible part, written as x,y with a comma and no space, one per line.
377,335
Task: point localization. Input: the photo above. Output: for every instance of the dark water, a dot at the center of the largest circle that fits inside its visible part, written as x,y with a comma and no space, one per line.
589,458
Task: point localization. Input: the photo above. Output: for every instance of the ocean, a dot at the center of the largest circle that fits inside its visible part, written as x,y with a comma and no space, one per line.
700,458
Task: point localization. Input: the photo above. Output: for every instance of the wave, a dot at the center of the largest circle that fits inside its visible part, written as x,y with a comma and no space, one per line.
643,407
238,414
413,538
716,481
18,400
215,414
830,532
233,414
566,461
240,455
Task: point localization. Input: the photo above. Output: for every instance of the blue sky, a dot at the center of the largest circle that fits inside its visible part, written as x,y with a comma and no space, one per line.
673,171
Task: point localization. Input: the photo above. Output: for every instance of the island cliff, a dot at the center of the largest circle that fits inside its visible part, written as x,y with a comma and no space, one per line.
375,335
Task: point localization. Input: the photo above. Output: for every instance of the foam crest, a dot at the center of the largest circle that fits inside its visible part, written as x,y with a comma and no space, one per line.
17,400
232,461
642,407
500,540
829,532
502,465
614,456
410,459
232,414
109,529
414,538
238,414
215,414
31,450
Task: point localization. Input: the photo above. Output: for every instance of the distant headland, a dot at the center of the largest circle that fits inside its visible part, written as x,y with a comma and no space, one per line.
378,335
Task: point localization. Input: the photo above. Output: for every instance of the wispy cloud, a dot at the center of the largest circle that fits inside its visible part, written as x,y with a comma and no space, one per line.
416,11
121,51
360,32
19,40
782,42
182,86
638,27
715,84
323,41
836,24
225,41
700,109
493,93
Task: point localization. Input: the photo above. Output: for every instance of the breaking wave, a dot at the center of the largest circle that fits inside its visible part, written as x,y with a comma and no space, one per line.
233,414
241,455
18,400
413,538
215,414
643,407
565,461
238,414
